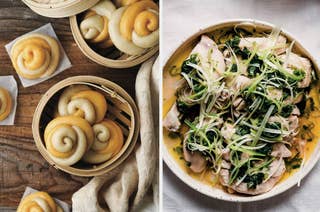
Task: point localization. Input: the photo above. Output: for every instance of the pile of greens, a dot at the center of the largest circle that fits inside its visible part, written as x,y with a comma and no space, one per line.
209,108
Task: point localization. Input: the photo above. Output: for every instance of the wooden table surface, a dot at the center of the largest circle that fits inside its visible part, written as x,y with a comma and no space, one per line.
21,164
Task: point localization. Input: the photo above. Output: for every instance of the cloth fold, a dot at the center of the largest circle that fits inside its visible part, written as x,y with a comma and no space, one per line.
124,188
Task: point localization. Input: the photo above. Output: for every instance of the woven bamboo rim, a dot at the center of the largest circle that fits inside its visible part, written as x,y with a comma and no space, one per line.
121,62
60,10
121,108
219,193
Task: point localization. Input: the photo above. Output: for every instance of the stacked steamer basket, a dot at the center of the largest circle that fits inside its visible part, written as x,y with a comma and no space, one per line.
76,10
59,9
121,109
112,56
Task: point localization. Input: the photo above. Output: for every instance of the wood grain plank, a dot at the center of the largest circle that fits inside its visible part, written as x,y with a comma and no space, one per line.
21,164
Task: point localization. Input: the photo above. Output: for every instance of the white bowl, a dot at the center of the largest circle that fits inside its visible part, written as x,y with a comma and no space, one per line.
219,193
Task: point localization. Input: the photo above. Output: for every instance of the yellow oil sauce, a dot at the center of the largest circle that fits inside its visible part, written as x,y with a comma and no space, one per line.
169,88
312,118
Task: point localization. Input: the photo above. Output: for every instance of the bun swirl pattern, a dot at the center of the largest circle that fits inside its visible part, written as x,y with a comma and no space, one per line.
135,28
38,201
78,101
35,56
67,138
108,142
121,3
94,26
5,103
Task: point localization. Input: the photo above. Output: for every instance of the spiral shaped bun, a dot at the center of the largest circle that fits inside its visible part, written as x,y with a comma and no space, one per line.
81,101
67,138
5,103
35,56
38,201
136,27
66,96
108,142
94,26
121,3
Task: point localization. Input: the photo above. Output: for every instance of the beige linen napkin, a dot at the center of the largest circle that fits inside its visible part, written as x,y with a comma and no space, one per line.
124,188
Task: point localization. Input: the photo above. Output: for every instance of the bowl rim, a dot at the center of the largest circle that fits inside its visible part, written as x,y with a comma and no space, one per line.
104,61
218,193
103,167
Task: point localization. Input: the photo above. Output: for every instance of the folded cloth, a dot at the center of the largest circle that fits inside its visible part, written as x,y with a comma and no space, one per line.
124,188
155,85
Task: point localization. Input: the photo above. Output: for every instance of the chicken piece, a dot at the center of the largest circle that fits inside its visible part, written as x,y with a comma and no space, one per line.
276,170
295,61
281,151
239,104
225,164
293,124
224,98
300,145
227,131
290,124
295,100
218,122
226,154
197,162
209,54
295,111
244,156
171,122
240,82
264,43
229,61
274,93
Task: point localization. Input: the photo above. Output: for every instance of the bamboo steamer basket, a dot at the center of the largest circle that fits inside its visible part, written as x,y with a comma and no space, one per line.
121,109
59,10
206,189
113,59
73,9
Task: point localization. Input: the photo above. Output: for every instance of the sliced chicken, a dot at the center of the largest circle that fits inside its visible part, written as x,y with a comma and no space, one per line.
295,61
276,170
281,151
274,93
290,124
224,98
240,82
295,100
227,131
230,60
197,162
171,122
300,145
209,54
226,154
264,43
295,111
239,104
293,124
225,164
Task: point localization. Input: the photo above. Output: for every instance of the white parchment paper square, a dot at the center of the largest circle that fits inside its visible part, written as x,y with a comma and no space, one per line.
63,205
10,84
64,60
